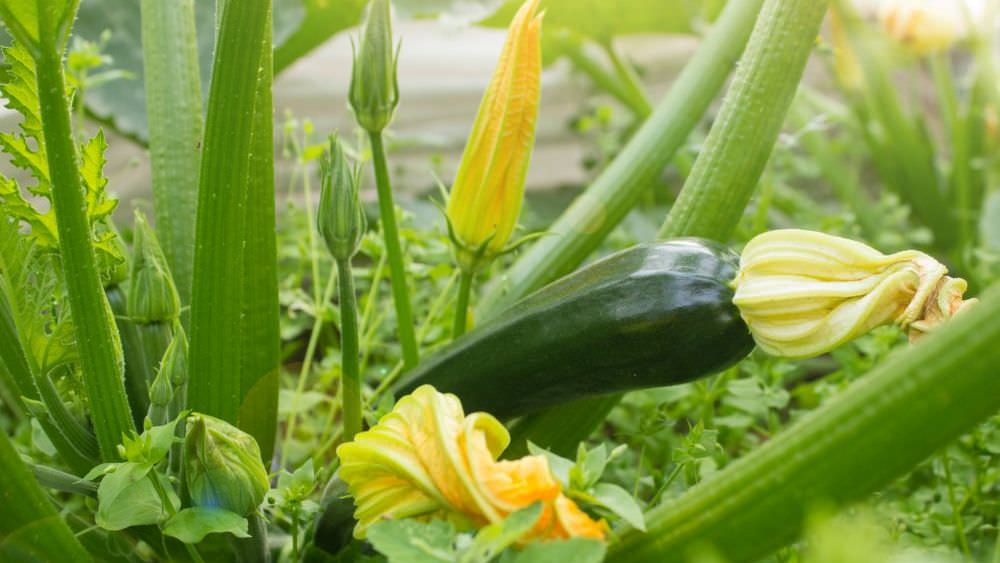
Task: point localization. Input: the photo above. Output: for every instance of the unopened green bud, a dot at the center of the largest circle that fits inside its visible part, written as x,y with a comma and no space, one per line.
222,466
340,218
161,391
374,92
152,294
175,359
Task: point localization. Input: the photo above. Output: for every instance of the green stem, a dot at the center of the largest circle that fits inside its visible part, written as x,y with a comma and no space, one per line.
98,343
174,112
351,378
956,509
741,140
253,549
397,272
168,505
462,305
629,79
596,212
137,374
914,403
573,47
300,386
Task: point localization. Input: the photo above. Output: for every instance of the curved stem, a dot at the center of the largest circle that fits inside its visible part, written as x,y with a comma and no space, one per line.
351,378
390,232
462,306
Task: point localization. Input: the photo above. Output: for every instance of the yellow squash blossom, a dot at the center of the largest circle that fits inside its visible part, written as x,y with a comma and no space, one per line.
427,459
923,26
804,293
485,200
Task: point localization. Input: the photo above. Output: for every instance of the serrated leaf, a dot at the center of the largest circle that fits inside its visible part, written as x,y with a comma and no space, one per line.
191,525
409,541
621,503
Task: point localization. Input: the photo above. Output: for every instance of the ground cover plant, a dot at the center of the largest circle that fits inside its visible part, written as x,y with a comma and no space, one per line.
765,330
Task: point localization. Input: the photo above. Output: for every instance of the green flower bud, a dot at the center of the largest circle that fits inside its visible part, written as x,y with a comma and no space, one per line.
374,92
222,466
175,359
152,295
161,391
340,218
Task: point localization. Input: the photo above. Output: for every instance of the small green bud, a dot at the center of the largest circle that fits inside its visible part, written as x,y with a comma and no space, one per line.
175,359
152,295
222,466
340,218
374,92
161,391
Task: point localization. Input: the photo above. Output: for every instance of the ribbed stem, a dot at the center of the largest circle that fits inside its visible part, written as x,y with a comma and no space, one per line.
97,338
137,369
397,271
350,395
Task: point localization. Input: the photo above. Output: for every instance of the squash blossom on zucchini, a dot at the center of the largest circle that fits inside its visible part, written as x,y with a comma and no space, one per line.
485,201
222,466
427,459
804,293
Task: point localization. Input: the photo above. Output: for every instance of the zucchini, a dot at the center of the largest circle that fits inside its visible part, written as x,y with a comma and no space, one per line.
652,315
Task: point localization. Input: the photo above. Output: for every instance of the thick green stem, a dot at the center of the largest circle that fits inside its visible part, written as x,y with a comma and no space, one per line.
253,549
174,112
738,146
917,401
397,271
462,305
97,339
350,379
597,211
137,369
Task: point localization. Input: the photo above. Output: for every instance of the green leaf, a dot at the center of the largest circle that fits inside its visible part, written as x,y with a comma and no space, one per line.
30,527
191,525
558,465
621,503
575,550
322,20
409,541
491,540
127,498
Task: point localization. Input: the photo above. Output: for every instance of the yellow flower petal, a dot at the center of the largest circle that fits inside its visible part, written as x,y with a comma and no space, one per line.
485,200
426,459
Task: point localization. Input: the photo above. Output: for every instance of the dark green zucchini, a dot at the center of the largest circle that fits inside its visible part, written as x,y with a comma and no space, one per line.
652,315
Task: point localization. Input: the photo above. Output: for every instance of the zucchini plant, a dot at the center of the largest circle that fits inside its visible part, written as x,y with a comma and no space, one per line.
144,371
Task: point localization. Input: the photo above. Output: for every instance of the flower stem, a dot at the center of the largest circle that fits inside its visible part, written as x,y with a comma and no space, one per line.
462,306
351,378
400,294
168,505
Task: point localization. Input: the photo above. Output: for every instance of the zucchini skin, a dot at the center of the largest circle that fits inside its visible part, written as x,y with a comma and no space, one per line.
649,316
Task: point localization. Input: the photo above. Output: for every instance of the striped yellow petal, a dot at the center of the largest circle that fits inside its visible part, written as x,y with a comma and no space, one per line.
427,459
804,293
485,200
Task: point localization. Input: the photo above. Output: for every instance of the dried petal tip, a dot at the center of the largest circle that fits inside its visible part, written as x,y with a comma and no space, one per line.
804,293
485,200
427,459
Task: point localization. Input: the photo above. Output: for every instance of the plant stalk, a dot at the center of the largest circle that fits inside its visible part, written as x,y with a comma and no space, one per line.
462,305
397,271
349,350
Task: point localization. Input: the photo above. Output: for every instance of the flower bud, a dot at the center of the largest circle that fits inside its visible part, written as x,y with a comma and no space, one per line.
175,358
222,466
485,200
152,294
161,392
374,92
340,218
922,26
804,293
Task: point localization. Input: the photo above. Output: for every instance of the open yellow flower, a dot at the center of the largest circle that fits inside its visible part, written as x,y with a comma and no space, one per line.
485,200
426,459
804,293
923,26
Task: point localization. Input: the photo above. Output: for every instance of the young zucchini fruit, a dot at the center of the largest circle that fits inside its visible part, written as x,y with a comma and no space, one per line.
652,315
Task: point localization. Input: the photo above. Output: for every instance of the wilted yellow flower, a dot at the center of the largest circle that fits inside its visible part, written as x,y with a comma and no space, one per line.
804,293
485,200
923,26
426,459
